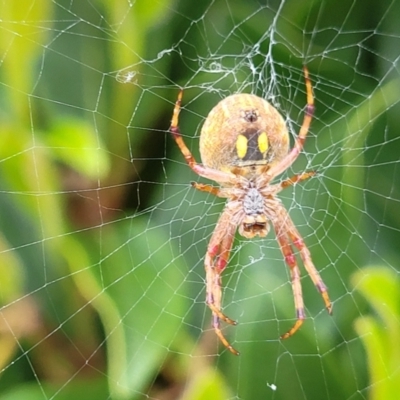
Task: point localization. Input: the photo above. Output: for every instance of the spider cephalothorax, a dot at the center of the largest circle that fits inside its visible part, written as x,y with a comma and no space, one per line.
244,145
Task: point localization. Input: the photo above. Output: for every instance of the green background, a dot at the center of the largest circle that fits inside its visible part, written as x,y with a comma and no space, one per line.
102,239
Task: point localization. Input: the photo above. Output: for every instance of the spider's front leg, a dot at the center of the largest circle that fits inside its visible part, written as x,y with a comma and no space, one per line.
216,259
216,175
288,160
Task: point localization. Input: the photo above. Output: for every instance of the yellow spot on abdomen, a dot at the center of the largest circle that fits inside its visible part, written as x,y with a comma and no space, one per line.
241,146
263,143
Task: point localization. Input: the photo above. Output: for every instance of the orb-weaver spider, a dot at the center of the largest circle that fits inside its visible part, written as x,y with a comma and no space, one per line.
244,145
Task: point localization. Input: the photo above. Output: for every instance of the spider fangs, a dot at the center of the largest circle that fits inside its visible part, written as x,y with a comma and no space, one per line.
244,145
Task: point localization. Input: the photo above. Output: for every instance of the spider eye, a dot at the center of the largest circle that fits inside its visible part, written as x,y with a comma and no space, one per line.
252,229
257,226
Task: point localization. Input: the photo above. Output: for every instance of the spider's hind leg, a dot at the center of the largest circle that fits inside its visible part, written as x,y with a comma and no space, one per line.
216,259
286,233
310,267
290,259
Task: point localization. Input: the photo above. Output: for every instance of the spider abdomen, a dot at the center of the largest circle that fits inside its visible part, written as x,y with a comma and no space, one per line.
243,131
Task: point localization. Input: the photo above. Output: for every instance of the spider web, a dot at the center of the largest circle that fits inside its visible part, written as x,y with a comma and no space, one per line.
103,239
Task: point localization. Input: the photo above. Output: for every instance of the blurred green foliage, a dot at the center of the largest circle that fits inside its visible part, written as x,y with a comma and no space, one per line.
102,243
381,288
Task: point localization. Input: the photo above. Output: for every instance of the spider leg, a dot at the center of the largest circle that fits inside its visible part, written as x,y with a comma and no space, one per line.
286,233
290,259
209,173
216,259
309,265
288,160
296,178
207,188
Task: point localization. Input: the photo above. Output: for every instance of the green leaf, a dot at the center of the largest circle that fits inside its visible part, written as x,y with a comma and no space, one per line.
75,143
381,288
139,293
75,389
21,39
206,384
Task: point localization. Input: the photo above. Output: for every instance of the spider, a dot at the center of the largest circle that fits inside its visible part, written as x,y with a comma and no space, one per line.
244,145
